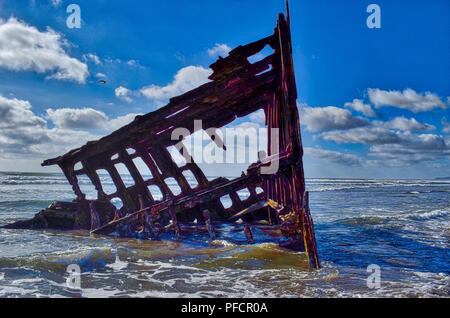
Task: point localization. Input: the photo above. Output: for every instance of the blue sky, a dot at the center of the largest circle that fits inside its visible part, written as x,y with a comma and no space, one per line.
373,102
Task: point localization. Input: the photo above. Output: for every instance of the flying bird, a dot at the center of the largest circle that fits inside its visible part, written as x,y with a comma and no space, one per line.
102,81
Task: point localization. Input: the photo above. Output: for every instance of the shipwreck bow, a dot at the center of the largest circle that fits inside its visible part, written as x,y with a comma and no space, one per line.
237,88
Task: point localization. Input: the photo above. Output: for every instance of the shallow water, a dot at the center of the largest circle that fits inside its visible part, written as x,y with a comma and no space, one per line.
403,226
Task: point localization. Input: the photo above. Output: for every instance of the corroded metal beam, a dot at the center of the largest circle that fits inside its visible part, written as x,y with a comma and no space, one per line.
237,88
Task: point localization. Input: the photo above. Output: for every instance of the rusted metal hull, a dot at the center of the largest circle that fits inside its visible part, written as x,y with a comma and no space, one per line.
237,89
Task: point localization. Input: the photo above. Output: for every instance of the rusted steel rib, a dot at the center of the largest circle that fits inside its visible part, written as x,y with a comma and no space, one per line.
237,88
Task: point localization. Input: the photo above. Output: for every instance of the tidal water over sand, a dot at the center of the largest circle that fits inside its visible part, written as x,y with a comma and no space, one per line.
403,226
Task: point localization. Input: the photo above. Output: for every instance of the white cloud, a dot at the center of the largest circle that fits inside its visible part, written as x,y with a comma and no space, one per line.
380,135
19,126
402,156
219,49
22,133
329,118
60,141
92,57
393,142
357,135
185,80
120,121
394,148
70,118
134,63
408,99
123,93
15,111
359,106
87,118
333,156
25,48
119,62
402,123
100,75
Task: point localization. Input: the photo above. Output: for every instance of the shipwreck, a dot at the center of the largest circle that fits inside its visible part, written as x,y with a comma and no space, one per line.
237,88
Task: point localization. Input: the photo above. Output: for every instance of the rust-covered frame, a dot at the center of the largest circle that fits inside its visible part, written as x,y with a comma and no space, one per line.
237,89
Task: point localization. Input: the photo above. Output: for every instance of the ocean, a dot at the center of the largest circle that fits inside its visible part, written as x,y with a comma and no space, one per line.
399,227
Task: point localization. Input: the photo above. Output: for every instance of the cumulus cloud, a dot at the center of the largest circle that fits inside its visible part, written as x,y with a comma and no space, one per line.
18,124
398,155
59,142
333,156
367,135
23,133
219,50
394,142
380,135
120,121
100,75
397,141
15,111
123,93
92,57
329,118
399,150
25,48
359,106
394,147
87,118
402,123
408,99
186,79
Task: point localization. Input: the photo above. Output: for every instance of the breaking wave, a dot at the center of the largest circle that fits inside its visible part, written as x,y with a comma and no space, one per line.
402,225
